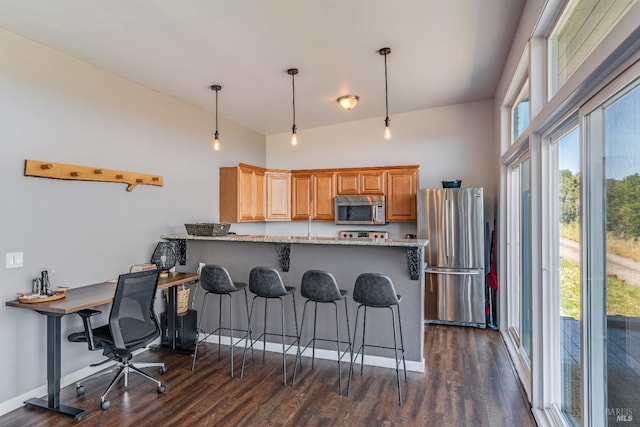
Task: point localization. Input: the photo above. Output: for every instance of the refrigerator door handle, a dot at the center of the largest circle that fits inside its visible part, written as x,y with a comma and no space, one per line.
452,272
447,240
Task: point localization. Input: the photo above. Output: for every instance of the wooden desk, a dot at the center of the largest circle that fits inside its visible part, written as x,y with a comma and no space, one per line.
78,299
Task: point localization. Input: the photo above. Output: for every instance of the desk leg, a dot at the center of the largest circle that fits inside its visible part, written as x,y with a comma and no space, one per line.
54,346
172,325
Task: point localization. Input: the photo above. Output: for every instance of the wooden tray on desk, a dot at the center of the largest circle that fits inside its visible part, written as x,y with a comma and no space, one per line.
61,292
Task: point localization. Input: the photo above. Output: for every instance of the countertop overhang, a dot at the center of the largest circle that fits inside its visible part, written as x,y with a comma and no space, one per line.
414,247
313,240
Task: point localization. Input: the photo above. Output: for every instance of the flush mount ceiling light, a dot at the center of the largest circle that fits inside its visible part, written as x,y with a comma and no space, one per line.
216,136
294,137
348,101
387,130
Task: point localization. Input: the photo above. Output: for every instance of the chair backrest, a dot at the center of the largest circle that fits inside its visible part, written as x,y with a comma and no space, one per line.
375,290
216,279
266,282
320,286
132,320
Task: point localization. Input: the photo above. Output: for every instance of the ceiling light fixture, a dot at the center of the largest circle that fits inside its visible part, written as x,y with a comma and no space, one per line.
216,136
294,137
387,130
348,101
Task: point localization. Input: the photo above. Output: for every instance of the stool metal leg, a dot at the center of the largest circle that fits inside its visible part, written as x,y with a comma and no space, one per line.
219,323
284,354
230,331
353,357
264,329
195,351
404,361
395,348
298,353
246,342
315,322
364,328
338,347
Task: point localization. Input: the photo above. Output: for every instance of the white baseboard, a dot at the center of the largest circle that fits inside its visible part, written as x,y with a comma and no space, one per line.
383,362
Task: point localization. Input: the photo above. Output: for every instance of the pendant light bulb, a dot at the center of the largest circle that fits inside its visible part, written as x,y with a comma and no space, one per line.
216,135
294,136
387,130
216,142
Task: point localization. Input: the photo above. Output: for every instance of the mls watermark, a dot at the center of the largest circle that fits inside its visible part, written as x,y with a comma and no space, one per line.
621,414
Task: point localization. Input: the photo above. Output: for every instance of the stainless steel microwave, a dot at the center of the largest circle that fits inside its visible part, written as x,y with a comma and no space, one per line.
360,210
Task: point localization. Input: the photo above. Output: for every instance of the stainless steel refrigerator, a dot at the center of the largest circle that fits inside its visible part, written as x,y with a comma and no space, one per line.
452,219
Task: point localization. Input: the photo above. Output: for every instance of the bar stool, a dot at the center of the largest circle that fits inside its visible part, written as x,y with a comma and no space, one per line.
265,282
375,290
320,287
216,280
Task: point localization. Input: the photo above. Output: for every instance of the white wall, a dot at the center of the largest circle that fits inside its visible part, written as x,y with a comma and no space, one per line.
56,108
449,142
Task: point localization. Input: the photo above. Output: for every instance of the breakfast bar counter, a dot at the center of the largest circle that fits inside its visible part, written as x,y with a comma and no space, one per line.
400,259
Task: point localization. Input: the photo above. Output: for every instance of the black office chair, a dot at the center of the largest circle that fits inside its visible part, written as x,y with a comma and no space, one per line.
132,325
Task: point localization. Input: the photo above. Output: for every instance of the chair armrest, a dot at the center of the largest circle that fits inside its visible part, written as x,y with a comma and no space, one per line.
86,315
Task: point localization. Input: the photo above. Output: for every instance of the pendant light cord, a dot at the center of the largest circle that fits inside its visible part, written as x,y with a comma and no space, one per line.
386,90
216,111
293,87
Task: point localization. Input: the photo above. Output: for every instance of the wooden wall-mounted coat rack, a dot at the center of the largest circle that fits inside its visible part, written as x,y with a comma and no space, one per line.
88,173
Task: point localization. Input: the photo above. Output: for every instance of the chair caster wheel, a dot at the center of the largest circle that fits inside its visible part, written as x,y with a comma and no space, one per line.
161,389
80,390
105,404
163,370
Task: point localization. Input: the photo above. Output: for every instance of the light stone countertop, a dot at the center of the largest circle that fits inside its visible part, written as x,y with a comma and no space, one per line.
317,240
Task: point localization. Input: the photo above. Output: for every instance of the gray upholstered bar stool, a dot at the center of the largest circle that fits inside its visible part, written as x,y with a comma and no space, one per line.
375,290
216,280
320,287
266,283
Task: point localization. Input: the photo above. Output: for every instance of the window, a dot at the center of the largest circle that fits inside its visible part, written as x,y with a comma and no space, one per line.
580,29
568,275
520,112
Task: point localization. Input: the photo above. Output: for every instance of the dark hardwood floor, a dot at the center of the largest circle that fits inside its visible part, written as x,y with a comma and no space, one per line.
469,381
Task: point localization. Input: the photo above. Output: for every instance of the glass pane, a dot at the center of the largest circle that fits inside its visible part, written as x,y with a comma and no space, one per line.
525,257
584,24
622,150
569,276
520,112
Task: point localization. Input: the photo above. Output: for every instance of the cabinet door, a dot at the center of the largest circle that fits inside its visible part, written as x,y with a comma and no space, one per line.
258,190
278,196
246,195
323,194
372,182
402,186
348,183
300,196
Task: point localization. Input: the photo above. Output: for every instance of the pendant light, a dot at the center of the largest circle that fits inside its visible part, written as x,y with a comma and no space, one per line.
387,130
216,136
294,137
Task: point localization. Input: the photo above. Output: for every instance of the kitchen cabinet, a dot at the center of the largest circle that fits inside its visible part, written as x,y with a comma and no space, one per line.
242,191
402,186
300,195
278,193
312,195
322,195
364,182
250,193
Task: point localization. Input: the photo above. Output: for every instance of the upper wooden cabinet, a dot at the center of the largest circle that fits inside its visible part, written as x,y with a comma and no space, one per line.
242,191
312,194
300,195
402,187
360,182
324,190
249,193
278,189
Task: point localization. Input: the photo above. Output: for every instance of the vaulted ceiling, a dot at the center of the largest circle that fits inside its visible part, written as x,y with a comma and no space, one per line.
442,52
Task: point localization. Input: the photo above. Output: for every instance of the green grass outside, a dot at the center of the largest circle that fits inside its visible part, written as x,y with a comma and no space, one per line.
622,298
